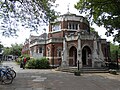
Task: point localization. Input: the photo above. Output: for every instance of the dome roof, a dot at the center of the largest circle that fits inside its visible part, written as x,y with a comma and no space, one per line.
69,14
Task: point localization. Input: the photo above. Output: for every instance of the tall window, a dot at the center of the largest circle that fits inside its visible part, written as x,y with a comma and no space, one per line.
73,26
48,52
40,49
59,52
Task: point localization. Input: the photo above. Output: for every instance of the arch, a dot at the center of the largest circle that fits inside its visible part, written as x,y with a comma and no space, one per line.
73,56
71,45
88,45
86,56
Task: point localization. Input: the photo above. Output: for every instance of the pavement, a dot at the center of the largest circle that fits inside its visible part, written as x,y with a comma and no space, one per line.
49,79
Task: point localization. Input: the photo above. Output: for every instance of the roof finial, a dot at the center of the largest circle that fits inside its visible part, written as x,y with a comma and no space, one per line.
68,6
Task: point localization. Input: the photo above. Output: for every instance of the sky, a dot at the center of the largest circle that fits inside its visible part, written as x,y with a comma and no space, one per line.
62,8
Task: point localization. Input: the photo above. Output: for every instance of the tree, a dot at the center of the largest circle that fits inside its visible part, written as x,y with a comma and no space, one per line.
6,51
103,12
31,13
15,50
93,30
1,48
113,49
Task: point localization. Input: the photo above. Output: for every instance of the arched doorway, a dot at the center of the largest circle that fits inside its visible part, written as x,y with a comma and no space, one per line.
86,57
73,56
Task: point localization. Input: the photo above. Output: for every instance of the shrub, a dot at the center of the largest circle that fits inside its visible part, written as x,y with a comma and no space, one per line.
19,59
31,64
41,63
27,56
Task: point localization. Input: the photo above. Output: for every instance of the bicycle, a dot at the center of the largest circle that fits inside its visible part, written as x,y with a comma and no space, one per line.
5,77
10,70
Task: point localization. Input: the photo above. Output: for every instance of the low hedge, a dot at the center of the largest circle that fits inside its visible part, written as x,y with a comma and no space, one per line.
41,63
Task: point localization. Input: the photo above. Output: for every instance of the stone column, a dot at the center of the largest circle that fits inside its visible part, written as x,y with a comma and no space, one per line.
64,54
94,55
79,51
101,57
78,26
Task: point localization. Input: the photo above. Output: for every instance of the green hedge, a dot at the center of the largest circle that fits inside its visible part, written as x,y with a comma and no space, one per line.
41,63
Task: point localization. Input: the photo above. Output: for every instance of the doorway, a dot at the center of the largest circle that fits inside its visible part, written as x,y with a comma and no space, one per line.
86,57
73,56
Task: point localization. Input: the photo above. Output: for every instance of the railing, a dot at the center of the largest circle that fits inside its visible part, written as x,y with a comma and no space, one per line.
87,37
53,40
36,55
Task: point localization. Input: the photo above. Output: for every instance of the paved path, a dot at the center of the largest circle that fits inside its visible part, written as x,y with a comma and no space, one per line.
31,79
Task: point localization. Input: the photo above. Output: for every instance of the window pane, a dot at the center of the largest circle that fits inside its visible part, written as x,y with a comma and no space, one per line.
40,50
76,26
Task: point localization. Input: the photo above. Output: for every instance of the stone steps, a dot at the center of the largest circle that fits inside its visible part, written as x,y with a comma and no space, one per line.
83,70
94,71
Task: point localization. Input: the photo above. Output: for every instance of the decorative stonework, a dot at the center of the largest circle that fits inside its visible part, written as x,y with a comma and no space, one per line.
74,32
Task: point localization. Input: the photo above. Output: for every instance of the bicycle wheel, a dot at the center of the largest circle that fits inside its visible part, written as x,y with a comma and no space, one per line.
13,73
7,78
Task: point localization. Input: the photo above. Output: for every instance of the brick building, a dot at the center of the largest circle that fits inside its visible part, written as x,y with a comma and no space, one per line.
25,48
70,40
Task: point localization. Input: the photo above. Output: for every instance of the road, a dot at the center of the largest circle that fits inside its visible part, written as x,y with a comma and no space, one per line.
36,79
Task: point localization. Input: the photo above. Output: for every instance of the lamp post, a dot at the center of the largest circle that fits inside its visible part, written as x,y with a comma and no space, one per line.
53,47
78,66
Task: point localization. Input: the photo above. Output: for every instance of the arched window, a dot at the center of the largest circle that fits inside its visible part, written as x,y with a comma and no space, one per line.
48,51
40,49
59,51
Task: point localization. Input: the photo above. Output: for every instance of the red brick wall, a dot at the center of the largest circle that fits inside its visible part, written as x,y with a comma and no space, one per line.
57,34
87,42
50,46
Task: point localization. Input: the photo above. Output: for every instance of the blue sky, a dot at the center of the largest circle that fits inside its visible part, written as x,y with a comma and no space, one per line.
62,8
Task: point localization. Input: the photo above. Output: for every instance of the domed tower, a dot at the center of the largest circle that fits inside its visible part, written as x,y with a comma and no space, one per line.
70,41
65,25
68,24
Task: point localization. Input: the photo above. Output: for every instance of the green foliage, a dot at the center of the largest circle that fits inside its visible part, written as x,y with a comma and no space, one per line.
93,30
30,13
113,49
19,60
104,13
31,64
1,46
6,51
15,49
27,56
41,63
